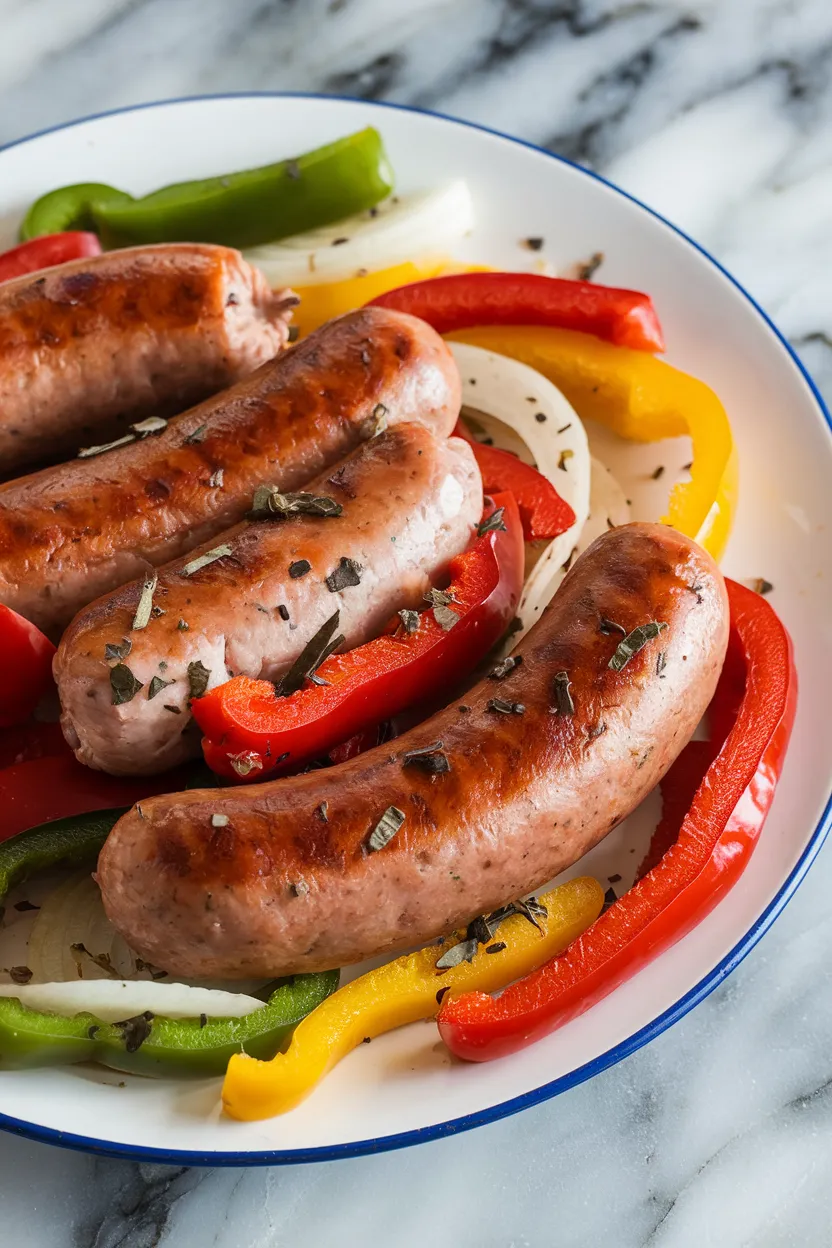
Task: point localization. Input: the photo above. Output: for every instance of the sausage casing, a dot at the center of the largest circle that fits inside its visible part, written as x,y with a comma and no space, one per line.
269,881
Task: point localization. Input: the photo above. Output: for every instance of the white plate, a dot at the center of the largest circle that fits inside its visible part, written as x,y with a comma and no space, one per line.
403,1088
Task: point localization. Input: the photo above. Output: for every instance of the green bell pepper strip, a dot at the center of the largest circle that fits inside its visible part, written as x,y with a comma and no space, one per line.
256,205
68,208
147,1045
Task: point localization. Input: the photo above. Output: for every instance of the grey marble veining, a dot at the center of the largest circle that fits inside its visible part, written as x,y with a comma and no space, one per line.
718,113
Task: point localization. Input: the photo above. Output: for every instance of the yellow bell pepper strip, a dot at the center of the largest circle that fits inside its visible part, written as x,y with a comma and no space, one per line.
640,398
404,991
327,300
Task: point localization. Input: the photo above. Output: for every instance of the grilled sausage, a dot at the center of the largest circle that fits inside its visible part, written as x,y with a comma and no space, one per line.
257,881
410,502
89,346
71,533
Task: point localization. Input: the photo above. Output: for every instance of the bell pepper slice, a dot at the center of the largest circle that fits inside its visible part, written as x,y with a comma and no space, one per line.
56,785
250,732
67,209
714,843
43,253
25,667
194,1047
624,317
256,205
25,742
403,991
642,399
542,510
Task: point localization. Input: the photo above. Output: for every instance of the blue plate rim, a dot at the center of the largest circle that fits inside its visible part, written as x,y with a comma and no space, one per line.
705,986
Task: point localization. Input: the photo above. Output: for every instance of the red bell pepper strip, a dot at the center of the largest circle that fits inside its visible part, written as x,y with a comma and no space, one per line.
250,732
44,789
717,836
43,253
462,300
25,667
23,742
543,512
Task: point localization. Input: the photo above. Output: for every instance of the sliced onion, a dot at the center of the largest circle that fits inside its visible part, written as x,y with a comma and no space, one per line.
504,399
73,915
405,227
113,1000
608,507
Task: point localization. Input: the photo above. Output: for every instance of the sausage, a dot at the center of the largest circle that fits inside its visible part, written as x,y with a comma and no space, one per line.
410,503
89,346
73,532
282,878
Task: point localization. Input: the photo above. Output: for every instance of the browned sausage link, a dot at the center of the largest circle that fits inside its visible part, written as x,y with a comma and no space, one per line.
284,877
89,346
409,502
70,533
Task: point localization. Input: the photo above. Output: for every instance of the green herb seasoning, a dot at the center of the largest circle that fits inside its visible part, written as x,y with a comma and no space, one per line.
120,651
410,620
386,828
493,523
346,574
202,561
635,641
431,759
269,502
563,698
142,617
299,568
311,657
156,685
123,684
505,708
198,678
505,667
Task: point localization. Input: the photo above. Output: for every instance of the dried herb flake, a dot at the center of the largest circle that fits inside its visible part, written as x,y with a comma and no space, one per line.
507,665
563,698
635,641
493,523
386,828
268,502
142,617
431,759
311,657
410,620
505,708
120,651
202,561
123,684
346,574
156,685
198,677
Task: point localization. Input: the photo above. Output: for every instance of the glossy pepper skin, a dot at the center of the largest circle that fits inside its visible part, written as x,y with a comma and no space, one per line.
25,667
255,205
43,253
54,785
30,1038
243,719
400,992
753,712
177,1047
68,208
542,510
626,318
641,399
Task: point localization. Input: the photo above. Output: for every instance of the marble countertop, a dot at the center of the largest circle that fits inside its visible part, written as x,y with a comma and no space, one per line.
719,114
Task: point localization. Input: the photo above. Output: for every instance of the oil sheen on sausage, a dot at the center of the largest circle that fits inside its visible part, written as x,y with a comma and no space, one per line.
89,346
253,881
410,503
73,532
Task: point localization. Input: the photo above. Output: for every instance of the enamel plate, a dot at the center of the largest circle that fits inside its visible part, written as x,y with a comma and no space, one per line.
404,1088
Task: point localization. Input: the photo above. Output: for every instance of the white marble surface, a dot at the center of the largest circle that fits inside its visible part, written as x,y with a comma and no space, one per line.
719,113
